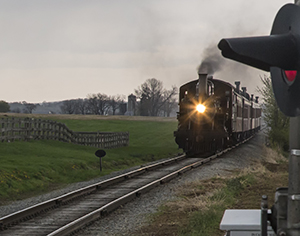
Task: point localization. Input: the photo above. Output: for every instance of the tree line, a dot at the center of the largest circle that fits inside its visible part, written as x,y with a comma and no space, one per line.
97,104
28,107
151,99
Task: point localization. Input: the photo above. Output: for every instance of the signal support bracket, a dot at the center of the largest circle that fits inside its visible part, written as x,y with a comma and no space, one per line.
295,152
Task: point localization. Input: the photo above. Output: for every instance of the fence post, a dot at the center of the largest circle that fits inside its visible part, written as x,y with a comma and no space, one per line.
2,130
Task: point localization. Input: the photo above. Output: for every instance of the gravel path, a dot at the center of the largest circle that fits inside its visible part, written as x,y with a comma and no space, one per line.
133,215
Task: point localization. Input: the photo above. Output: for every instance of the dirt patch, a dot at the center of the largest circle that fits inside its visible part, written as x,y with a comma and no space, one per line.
266,184
273,167
166,224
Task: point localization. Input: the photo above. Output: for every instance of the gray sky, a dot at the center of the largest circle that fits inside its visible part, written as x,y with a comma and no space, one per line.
55,50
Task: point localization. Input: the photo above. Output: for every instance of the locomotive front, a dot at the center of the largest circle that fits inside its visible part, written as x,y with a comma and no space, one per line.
198,109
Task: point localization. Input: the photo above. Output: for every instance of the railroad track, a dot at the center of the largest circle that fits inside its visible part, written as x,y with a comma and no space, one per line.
67,213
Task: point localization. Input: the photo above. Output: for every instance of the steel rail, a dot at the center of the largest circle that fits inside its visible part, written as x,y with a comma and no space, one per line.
55,202
104,210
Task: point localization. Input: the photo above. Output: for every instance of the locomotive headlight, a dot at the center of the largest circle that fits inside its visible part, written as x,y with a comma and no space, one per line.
200,108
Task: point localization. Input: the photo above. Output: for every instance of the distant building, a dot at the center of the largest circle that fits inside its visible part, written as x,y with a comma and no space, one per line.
131,105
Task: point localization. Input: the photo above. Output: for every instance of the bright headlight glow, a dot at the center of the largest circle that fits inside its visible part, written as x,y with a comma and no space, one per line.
200,108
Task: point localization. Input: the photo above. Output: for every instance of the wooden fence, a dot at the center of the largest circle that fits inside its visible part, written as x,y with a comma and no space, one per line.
26,129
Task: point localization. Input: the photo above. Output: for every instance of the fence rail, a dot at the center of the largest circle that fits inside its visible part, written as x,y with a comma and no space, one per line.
26,129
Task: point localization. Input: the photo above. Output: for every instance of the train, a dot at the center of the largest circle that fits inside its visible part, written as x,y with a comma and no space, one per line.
214,115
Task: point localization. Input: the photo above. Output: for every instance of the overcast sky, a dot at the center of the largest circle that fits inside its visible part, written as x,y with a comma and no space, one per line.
53,50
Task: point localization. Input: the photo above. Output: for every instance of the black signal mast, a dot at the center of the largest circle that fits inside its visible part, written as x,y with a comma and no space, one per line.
293,212
293,217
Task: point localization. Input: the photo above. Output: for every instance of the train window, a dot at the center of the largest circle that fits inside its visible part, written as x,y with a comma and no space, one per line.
233,99
210,88
239,107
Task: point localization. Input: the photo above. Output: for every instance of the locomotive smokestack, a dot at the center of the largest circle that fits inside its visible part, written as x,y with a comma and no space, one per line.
237,88
202,84
252,97
256,99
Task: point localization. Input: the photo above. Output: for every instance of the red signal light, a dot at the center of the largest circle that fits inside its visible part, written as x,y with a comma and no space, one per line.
290,75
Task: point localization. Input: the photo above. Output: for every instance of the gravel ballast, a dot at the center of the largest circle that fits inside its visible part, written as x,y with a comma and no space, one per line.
133,215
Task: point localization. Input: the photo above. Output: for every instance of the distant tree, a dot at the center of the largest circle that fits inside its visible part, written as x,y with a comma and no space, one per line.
103,103
275,120
144,106
115,102
153,97
98,104
16,110
92,104
82,106
29,107
169,106
4,106
68,106
122,108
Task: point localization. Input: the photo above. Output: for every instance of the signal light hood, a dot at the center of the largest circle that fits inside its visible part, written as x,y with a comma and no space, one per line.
263,52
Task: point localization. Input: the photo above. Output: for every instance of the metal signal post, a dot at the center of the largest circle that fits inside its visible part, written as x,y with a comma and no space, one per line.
293,207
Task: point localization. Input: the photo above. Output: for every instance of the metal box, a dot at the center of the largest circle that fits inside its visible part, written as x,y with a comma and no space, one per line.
243,223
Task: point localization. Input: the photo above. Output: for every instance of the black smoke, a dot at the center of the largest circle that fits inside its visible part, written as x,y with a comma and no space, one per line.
213,63
212,60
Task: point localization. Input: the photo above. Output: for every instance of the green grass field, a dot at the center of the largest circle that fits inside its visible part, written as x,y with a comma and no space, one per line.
30,168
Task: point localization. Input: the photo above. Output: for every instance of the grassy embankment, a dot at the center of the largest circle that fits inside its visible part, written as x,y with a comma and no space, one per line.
200,205
29,168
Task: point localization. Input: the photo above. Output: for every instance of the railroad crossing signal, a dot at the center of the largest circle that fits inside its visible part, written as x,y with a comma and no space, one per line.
278,53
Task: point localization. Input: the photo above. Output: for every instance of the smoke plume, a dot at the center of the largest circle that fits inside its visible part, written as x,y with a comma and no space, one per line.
212,62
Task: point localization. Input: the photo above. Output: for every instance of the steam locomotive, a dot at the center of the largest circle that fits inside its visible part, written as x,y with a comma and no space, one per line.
214,115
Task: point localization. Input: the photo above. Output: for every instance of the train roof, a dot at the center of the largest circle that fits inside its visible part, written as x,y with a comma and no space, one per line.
210,78
219,81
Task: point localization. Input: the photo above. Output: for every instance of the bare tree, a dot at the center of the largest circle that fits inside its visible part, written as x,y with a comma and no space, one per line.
122,108
115,102
170,106
153,97
92,104
82,106
68,106
103,103
98,103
